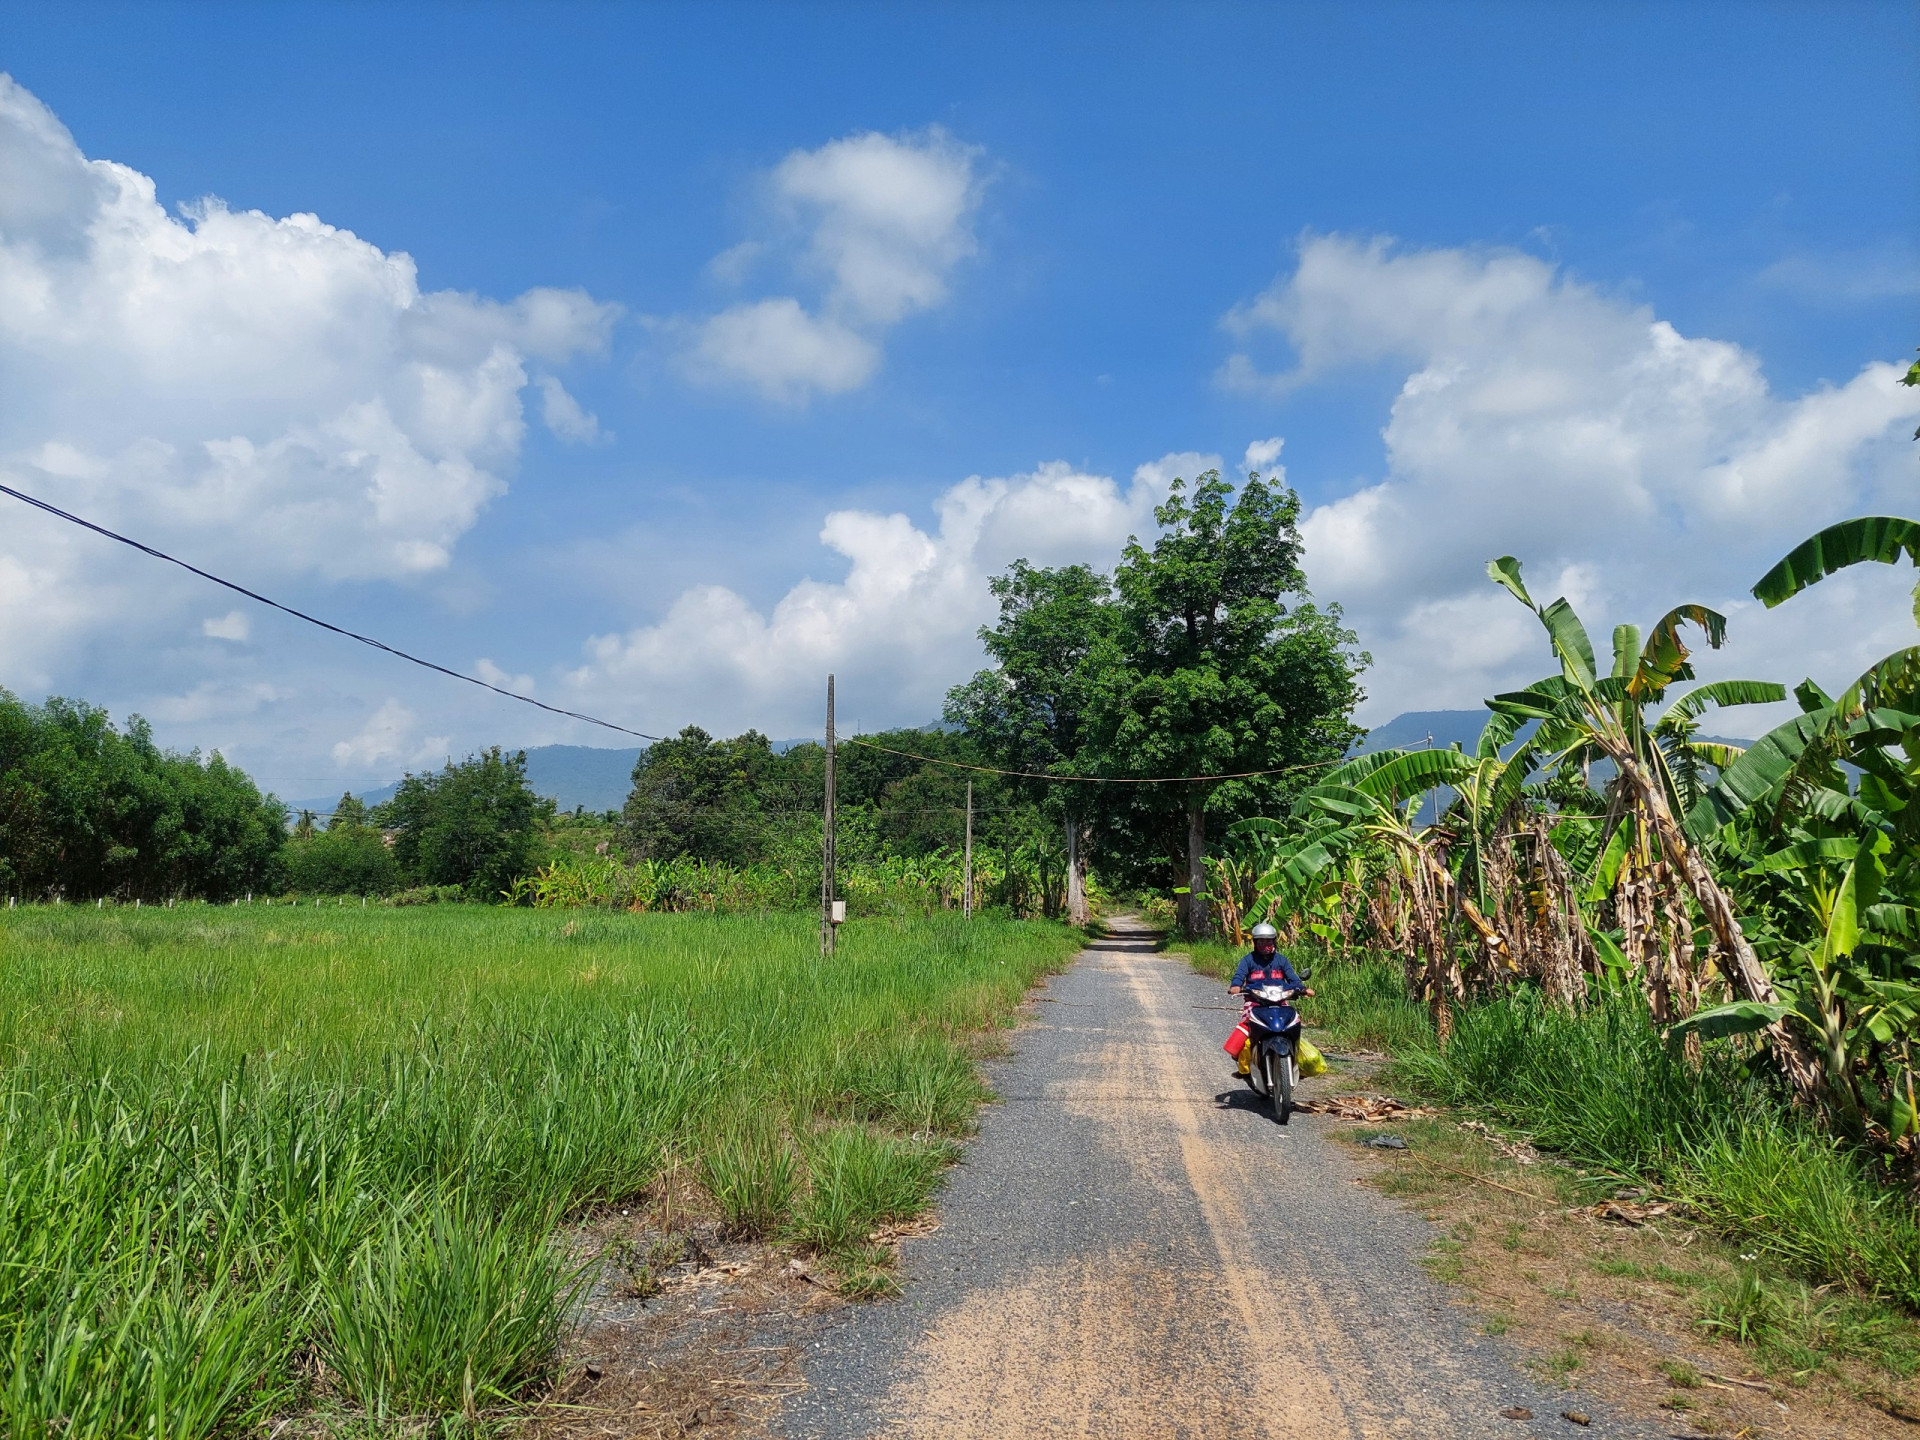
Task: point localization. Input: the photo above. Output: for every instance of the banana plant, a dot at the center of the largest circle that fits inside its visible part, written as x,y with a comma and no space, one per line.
1584,713
1838,863
1848,1008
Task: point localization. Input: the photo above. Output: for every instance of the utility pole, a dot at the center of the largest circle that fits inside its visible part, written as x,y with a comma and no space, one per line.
966,883
826,840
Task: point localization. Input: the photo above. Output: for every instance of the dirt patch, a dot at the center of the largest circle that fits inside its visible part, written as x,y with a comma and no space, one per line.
684,1329
1617,1294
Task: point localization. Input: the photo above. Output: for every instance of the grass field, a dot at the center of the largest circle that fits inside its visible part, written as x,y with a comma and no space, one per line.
259,1161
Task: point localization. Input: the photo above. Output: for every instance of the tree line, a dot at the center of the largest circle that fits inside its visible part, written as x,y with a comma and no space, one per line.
90,810
1200,655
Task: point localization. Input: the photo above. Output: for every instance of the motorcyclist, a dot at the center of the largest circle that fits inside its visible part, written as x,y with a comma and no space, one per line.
1264,965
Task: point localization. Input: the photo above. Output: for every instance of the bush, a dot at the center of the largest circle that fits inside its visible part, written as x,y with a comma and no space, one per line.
343,860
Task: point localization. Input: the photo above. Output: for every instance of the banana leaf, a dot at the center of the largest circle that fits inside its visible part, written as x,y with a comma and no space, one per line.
1742,1017
1879,538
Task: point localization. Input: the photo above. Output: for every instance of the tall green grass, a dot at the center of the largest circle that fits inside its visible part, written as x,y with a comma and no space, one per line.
1602,1089
255,1161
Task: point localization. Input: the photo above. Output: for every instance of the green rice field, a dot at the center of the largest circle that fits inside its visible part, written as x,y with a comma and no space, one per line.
257,1163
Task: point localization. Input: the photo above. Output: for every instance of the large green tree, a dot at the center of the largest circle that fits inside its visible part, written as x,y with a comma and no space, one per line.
1032,710
473,824
713,799
1223,666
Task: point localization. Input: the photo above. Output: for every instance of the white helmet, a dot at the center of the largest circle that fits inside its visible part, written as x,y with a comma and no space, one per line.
1264,931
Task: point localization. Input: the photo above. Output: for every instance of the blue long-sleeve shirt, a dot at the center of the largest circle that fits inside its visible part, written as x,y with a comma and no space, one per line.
1279,962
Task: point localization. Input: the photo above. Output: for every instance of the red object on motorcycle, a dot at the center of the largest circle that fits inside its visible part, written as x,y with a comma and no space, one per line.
1237,1041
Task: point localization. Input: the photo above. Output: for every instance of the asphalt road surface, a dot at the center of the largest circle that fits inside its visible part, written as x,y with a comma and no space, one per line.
1133,1248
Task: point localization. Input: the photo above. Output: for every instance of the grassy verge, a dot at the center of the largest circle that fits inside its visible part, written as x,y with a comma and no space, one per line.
1601,1089
1667,1321
257,1161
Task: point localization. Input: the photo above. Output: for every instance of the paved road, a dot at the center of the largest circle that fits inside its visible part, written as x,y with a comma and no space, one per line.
1131,1249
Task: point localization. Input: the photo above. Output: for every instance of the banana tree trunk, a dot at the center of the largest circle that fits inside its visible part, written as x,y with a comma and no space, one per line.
1745,973
1457,901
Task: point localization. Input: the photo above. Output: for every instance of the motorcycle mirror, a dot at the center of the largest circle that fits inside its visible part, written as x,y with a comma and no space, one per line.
1306,974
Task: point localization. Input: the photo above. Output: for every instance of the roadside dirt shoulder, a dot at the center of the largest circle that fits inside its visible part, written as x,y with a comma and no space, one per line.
1623,1299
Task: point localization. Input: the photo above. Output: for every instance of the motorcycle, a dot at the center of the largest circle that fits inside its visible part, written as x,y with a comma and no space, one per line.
1273,1031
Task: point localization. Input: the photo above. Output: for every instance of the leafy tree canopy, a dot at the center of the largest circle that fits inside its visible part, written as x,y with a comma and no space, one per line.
473,824
89,810
1203,655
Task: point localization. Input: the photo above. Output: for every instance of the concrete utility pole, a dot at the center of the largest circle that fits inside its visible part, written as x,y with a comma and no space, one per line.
966,882
826,840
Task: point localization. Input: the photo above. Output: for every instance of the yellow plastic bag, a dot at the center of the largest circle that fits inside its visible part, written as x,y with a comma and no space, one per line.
1312,1062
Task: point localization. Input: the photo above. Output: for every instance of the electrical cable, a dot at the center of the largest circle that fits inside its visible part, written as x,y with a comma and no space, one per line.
381,645
56,511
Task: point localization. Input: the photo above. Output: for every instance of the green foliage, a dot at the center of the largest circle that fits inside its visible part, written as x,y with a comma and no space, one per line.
1218,671
88,810
694,796
1881,539
349,857
184,1224
1202,656
473,824
1032,710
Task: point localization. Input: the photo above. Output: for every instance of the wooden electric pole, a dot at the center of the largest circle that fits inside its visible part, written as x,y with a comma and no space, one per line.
826,840
966,882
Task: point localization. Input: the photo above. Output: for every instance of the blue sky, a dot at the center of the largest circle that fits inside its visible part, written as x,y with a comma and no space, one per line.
1592,284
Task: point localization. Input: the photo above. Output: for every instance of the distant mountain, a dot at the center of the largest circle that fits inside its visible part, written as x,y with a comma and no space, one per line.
582,775
1437,729
569,775
1427,729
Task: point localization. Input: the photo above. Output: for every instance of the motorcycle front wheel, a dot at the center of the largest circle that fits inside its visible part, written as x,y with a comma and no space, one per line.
1280,1085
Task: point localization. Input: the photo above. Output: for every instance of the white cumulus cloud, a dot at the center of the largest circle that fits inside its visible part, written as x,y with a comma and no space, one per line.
898,630
885,222
390,739
268,397
1631,466
234,625
565,416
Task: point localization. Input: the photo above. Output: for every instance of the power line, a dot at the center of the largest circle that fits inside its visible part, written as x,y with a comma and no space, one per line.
1094,779
56,511
381,645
